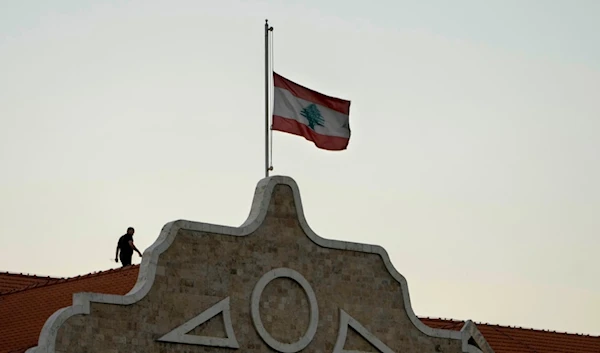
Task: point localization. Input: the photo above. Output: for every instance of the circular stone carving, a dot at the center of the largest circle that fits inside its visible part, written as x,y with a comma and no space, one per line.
312,300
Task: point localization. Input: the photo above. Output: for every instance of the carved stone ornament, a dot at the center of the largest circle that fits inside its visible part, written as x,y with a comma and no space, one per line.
271,284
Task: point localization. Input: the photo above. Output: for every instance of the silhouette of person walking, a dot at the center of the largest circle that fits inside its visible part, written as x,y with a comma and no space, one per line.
126,247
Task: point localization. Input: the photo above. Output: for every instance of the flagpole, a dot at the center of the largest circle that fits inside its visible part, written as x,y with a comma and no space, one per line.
267,29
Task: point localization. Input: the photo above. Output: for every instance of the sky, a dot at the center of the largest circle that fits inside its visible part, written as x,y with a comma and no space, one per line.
473,158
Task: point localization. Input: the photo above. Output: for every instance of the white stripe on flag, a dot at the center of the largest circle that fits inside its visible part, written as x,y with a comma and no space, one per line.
289,106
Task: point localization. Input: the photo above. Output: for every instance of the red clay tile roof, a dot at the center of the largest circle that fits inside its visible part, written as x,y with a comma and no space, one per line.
24,311
504,339
15,281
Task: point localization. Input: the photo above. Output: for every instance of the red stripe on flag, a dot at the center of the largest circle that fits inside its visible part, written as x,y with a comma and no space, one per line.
331,143
333,103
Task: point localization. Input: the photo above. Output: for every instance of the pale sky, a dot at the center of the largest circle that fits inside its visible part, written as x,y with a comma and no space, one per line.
473,158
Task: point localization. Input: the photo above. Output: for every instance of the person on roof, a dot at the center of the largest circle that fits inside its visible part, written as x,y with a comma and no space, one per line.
126,246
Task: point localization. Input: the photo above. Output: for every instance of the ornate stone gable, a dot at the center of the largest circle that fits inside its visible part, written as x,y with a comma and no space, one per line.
270,285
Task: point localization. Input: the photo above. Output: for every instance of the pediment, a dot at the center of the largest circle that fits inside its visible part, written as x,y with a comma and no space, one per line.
271,284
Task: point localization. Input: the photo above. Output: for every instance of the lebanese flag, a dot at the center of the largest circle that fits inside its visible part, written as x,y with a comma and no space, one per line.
318,118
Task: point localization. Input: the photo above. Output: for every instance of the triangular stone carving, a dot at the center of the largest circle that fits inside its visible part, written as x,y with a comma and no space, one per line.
180,334
356,342
348,321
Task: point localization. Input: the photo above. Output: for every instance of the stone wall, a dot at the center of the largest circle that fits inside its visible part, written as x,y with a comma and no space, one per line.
273,289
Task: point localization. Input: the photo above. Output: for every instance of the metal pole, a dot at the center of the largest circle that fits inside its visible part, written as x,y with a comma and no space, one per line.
266,98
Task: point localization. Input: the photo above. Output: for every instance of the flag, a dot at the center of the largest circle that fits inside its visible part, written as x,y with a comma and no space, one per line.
318,118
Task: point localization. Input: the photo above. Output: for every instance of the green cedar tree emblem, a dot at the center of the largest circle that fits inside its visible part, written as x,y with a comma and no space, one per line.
313,115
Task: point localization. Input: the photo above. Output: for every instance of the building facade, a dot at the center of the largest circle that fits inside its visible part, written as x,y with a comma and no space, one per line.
270,285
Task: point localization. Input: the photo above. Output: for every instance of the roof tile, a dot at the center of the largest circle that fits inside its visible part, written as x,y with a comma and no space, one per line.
505,339
16,281
23,312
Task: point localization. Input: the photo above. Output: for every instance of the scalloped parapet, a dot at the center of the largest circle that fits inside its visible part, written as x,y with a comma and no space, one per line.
271,284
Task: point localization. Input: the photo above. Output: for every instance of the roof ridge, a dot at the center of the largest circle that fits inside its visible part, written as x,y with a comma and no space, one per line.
538,330
27,275
69,279
441,318
514,327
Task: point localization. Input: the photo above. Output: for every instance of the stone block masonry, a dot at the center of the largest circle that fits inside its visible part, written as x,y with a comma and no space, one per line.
271,285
